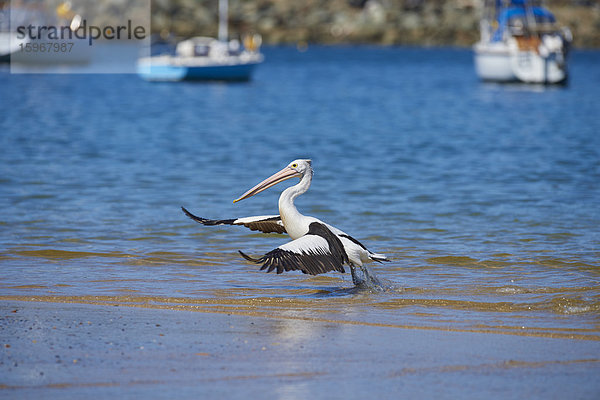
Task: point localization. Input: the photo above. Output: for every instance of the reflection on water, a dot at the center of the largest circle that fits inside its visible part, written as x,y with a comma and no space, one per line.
485,197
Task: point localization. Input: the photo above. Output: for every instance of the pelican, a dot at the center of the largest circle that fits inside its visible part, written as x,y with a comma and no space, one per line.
316,246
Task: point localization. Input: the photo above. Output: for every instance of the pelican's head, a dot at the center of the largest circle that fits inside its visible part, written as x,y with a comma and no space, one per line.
302,166
296,169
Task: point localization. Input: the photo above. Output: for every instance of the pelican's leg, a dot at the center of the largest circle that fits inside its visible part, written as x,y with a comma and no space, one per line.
355,279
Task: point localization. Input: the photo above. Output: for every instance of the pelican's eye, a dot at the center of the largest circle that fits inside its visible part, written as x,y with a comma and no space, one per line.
294,165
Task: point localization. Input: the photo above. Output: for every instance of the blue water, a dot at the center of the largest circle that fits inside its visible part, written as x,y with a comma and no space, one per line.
482,195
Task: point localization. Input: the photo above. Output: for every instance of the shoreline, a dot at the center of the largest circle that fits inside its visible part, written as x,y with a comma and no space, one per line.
243,309
76,350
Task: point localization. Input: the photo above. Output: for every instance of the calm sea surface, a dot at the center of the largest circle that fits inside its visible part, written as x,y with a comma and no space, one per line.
486,197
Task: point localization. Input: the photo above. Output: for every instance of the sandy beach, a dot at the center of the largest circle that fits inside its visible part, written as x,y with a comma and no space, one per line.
76,350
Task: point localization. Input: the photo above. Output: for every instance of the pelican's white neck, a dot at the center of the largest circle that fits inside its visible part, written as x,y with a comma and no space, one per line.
288,196
289,214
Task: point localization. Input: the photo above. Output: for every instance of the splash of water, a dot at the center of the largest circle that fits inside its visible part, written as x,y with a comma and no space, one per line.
365,279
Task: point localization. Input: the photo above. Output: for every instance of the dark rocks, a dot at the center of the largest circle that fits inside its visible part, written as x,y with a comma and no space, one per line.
406,22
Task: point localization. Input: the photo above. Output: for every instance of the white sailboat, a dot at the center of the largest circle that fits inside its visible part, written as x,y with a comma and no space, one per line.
521,42
206,58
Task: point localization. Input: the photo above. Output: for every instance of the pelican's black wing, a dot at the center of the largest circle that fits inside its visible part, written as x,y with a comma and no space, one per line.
317,252
263,223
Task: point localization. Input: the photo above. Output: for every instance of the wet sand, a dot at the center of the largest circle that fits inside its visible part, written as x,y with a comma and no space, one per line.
69,348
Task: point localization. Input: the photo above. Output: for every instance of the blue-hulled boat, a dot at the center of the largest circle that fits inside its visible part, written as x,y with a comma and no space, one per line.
205,58
201,58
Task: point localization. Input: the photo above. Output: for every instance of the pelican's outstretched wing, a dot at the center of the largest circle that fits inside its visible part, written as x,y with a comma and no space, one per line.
264,223
317,252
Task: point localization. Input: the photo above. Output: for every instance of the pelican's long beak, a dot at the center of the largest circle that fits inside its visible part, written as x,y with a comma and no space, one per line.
273,180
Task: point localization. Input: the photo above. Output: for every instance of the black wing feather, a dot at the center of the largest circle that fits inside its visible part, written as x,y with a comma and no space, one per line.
311,261
350,238
205,221
267,225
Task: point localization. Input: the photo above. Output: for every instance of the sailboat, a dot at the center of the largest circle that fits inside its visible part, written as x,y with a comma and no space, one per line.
521,42
206,58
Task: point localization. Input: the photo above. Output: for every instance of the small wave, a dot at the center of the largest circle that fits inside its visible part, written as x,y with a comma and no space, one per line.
572,305
510,290
63,254
576,309
452,260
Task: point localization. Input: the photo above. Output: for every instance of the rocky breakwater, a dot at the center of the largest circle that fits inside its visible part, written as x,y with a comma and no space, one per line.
401,22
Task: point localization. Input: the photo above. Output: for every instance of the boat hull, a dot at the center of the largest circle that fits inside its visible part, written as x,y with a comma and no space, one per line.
503,64
494,65
170,71
9,44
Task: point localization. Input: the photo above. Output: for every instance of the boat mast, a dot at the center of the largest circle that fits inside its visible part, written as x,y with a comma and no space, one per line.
486,24
223,14
530,18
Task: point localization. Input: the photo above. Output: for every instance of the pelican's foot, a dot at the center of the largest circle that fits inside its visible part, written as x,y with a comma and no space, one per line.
361,276
357,280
